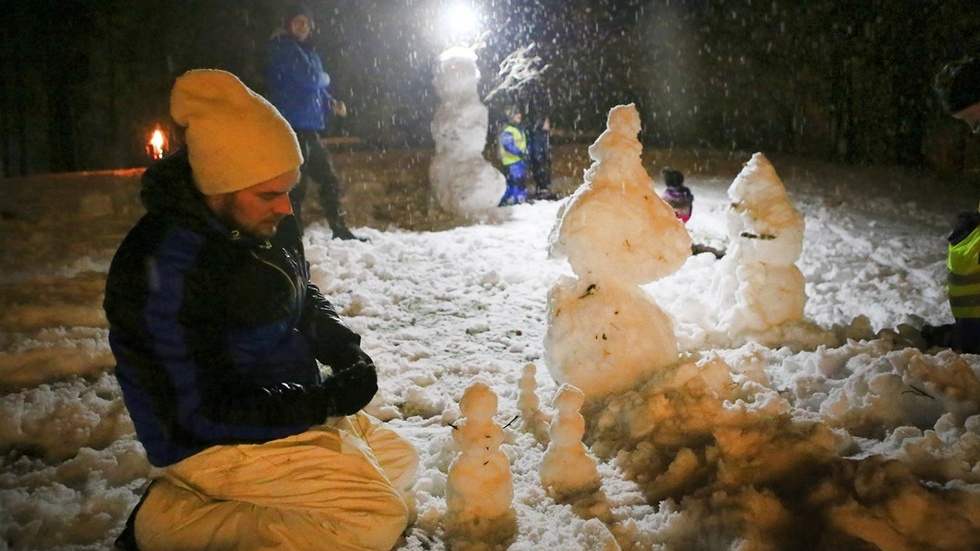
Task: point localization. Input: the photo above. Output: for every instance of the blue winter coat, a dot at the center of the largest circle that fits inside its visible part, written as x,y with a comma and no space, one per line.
216,335
297,84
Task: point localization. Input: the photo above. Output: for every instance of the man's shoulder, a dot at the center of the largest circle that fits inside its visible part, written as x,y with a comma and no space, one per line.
155,232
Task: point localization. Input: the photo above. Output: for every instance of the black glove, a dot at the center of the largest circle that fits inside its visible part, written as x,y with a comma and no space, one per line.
350,356
350,390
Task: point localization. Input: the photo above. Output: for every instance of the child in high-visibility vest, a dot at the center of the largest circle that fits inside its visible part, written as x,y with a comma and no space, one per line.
964,283
963,286
512,148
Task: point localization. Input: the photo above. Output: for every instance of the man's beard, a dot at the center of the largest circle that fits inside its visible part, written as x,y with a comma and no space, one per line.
226,215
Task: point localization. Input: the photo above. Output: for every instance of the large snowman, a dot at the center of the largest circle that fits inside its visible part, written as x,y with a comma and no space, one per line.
605,334
463,181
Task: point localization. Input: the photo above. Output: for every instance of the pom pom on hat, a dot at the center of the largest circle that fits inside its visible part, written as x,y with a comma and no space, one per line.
235,138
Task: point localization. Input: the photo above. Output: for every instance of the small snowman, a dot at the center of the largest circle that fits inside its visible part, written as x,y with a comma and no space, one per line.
758,285
568,469
535,420
479,488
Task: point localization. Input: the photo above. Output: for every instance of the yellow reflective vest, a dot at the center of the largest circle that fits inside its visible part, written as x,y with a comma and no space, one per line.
506,157
964,276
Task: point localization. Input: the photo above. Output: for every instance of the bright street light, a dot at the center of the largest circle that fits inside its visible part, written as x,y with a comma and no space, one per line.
460,22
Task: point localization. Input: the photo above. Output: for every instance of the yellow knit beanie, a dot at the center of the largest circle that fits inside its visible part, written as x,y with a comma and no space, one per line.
235,138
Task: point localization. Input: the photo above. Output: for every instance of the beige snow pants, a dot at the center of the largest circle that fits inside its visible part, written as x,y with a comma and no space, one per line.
336,486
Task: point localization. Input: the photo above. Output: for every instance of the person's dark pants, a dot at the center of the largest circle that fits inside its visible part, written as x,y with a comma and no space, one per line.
540,157
961,336
318,166
966,335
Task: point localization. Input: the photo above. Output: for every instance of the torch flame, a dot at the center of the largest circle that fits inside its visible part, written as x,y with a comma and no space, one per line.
158,143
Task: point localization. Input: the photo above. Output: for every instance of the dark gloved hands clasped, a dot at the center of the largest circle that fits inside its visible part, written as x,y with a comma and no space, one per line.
351,389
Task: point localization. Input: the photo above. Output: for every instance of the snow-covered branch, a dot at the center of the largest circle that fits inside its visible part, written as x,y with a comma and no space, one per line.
519,68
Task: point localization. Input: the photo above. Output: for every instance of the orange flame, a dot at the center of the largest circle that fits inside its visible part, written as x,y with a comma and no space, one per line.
157,145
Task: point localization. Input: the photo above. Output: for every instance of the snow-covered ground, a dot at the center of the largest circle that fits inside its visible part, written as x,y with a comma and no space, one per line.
833,433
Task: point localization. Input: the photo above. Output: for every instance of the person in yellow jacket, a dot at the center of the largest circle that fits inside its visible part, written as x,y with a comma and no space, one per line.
958,87
512,149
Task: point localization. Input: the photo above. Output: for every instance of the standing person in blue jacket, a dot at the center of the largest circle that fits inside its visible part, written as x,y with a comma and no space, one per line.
300,88
512,149
219,336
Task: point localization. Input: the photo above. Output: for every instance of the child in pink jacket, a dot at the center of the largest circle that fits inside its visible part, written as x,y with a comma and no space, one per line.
677,195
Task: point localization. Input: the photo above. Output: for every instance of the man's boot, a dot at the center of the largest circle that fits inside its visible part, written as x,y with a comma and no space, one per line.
341,231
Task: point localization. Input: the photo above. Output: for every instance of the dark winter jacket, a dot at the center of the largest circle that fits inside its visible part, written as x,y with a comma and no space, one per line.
216,335
297,84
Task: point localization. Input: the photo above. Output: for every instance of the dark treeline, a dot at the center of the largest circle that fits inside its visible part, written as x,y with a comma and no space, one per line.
84,82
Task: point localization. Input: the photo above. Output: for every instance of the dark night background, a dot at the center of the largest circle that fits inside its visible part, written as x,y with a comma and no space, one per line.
85,81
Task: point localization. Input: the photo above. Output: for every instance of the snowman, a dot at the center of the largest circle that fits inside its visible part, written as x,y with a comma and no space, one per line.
463,181
605,334
479,488
535,420
758,285
567,468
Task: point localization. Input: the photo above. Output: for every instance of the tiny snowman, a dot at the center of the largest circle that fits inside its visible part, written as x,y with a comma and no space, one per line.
567,468
758,285
479,489
535,420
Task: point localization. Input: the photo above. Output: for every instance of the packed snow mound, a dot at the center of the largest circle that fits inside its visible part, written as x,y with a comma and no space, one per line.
604,336
616,225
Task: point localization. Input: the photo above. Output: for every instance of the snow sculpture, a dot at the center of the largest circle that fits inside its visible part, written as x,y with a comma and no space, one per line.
463,181
479,489
605,334
535,420
758,285
568,469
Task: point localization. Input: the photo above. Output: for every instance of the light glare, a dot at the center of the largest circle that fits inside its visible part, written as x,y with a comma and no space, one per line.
460,22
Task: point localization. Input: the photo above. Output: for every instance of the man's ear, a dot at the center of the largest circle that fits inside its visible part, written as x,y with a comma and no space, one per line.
215,202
